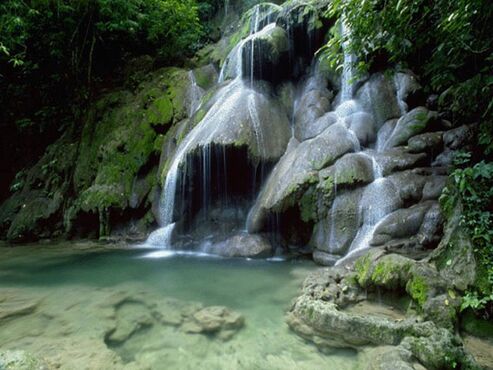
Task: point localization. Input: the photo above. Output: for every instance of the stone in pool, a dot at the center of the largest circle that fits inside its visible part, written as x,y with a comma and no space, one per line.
219,321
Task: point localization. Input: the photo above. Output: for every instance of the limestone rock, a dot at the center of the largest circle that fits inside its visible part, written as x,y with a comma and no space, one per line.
335,233
297,169
409,125
215,320
378,97
363,125
429,141
313,104
407,88
269,47
454,256
401,223
389,358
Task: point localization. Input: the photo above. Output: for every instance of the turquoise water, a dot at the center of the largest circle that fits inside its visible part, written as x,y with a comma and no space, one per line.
68,303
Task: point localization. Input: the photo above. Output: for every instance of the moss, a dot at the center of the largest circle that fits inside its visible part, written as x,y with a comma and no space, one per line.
390,272
418,289
363,269
160,112
308,205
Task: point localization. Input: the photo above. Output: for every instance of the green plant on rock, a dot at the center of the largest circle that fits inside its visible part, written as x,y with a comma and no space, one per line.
472,186
418,289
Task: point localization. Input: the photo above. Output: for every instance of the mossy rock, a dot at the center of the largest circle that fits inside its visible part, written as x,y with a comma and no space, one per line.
160,111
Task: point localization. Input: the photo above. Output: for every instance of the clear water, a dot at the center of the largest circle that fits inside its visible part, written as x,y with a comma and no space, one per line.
63,302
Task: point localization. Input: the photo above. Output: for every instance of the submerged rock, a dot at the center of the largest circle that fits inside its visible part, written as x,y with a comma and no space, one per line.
22,360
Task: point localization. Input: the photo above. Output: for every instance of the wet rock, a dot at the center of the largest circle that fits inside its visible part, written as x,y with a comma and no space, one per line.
445,159
269,47
439,349
243,245
313,104
13,306
390,358
335,233
409,125
430,231
332,312
131,317
363,125
297,169
384,133
351,169
433,187
325,259
398,159
310,128
215,320
401,223
327,326
378,97
409,184
408,90
430,141
22,360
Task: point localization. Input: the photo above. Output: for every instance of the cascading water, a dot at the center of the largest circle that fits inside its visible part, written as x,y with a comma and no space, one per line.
376,202
227,99
195,93
347,71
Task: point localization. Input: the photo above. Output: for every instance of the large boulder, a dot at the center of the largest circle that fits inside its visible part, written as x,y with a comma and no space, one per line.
363,125
407,222
335,233
378,97
313,103
409,125
263,53
297,169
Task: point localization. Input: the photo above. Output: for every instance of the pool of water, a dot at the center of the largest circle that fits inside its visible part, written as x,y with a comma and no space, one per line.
95,308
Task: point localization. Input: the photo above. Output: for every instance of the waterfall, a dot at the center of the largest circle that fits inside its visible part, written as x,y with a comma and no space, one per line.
347,76
377,201
195,93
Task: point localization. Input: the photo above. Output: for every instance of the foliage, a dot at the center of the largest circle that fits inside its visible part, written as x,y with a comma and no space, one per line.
56,55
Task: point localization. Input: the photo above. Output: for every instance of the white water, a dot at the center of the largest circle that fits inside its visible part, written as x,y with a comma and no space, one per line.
195,93
375,204
347,70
